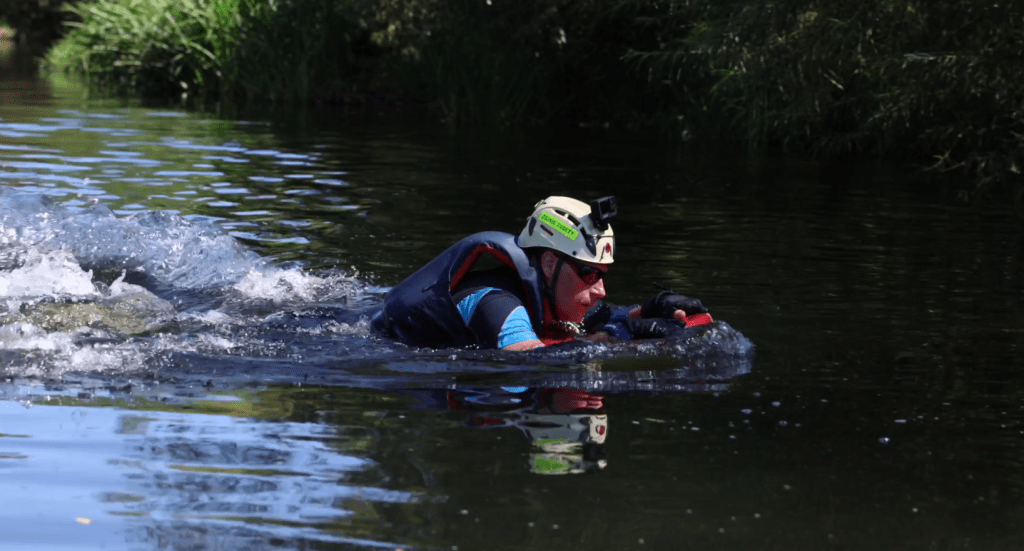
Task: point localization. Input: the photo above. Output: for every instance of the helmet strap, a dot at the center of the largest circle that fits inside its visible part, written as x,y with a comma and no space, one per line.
549,286
567,327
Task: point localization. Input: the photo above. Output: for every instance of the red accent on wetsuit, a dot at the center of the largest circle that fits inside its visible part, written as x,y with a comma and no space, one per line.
473,257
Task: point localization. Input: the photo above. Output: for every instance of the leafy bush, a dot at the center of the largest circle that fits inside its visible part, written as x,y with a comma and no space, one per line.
513,62
296,50
903,78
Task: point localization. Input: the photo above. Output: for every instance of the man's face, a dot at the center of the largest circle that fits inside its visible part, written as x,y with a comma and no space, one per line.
573,295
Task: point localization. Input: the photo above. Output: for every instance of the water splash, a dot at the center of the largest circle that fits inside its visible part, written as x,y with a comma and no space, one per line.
160,244
60,311
163,246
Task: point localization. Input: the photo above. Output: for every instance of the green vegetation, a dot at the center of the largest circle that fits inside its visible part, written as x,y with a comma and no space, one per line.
933,83
148,47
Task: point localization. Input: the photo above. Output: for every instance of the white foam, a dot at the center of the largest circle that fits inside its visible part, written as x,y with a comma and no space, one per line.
282,285
120,288
358,329
25,336
217,342
101,358
362,328
212,317
48,274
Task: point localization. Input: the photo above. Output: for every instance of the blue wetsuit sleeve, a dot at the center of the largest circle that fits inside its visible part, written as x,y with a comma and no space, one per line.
517,328
496,318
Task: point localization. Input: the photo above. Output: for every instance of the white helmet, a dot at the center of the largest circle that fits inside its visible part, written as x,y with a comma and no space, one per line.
572,227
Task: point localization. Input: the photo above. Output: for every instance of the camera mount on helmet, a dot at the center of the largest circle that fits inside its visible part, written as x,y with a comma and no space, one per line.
603,210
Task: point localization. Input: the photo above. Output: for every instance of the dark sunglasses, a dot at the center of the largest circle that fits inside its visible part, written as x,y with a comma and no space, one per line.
588,274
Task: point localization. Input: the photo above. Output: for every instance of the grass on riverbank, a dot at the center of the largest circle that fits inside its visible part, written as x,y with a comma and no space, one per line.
152,48
207,50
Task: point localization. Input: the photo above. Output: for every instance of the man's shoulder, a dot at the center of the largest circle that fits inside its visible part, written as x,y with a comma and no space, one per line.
501,278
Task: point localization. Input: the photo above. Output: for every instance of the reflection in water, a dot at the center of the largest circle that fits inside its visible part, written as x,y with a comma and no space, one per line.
566,428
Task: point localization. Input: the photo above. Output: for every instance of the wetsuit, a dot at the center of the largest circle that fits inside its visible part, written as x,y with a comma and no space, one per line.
492,304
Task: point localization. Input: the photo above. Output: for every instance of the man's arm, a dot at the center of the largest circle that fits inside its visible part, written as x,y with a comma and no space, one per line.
524,345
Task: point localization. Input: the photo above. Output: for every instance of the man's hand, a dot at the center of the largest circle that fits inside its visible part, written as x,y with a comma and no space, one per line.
652,328
667,303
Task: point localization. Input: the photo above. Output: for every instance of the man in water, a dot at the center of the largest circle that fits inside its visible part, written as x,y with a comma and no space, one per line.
496,290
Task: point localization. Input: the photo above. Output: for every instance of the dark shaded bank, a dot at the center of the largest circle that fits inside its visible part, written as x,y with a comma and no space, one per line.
932,84
36,23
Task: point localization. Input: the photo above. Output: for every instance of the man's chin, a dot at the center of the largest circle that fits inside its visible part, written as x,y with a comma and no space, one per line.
572,319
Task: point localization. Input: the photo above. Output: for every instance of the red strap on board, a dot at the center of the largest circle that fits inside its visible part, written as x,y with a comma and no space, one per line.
697,320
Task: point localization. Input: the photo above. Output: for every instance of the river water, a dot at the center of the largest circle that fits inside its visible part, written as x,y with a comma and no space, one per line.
185,362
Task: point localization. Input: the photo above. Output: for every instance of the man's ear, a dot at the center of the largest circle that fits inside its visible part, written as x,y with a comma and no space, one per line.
548,260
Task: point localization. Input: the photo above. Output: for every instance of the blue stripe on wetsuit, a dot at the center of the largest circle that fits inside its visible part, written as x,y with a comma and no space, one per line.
515,328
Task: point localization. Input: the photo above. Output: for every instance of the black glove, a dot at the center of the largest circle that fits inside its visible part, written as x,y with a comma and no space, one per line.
596,317
652,328
666,303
